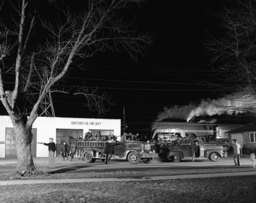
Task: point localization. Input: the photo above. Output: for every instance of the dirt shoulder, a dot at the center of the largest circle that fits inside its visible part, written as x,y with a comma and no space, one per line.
66,173
215,189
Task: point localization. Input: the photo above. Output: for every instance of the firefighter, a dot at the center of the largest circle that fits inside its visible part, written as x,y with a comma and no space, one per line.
195,149
73,149
64,150
108,148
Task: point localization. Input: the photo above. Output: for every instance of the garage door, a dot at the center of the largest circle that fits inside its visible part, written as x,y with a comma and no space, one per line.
10,144
67,135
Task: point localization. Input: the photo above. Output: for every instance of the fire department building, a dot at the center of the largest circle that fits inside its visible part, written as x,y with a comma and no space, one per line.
60,129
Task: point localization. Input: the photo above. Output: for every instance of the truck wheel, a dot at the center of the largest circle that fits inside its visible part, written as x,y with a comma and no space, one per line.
88,158
147,161
161,157
214,156
175,158
133,158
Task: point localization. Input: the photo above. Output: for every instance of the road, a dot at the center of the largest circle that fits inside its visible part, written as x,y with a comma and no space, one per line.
8,165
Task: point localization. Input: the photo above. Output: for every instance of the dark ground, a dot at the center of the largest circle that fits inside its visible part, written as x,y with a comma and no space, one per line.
235,189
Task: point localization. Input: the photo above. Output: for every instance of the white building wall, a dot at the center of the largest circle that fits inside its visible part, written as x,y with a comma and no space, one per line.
46,128
5,121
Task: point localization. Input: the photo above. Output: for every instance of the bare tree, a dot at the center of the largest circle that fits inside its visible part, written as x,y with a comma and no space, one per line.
234,53
38,69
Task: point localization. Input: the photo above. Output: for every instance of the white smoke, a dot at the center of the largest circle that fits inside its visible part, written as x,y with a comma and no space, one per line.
235,103
176,112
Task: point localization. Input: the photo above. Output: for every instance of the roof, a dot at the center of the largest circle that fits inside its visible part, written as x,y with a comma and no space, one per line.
182,125
245,128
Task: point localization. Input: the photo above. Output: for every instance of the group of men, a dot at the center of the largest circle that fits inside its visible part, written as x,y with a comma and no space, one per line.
66,151
237,150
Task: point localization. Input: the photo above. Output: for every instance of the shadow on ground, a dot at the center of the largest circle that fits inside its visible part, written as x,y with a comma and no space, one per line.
65,169
75,168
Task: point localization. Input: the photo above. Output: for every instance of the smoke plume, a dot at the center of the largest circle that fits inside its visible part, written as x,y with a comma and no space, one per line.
176,112
240,102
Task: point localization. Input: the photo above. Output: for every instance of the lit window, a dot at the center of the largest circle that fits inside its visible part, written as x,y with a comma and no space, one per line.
252,137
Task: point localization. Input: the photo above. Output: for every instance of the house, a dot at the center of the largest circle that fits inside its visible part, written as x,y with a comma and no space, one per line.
245,135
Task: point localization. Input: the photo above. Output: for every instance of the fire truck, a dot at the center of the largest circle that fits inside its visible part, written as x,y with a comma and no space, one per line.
129,148
175,141
176,149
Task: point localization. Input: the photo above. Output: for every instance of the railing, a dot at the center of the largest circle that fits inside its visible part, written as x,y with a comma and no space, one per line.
91,144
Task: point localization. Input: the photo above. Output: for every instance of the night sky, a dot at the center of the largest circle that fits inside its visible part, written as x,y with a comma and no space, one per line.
169,75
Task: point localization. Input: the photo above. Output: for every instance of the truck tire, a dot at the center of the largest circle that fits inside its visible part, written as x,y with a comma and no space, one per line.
88,157
175,158
162,157
133,158
165,157
214,157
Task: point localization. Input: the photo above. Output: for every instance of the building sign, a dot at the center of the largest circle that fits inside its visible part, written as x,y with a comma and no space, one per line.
2,142
86,123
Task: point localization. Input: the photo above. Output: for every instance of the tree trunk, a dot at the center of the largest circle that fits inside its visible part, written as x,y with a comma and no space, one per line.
24,138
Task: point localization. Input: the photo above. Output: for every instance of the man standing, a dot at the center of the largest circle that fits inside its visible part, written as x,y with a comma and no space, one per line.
195,149
51,149
64,150
108,148
73,149
237,152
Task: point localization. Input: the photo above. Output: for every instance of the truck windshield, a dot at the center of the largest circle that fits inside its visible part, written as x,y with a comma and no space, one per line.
169,137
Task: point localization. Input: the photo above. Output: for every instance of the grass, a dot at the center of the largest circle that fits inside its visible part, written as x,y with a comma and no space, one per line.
235,189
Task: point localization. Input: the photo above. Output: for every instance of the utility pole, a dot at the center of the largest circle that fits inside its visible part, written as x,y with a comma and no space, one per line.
46,107
124,124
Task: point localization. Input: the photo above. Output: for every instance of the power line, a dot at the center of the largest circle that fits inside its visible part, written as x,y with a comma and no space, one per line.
163,68
117,99
155,69
132,105
136,81
132,81
151,89
155,73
